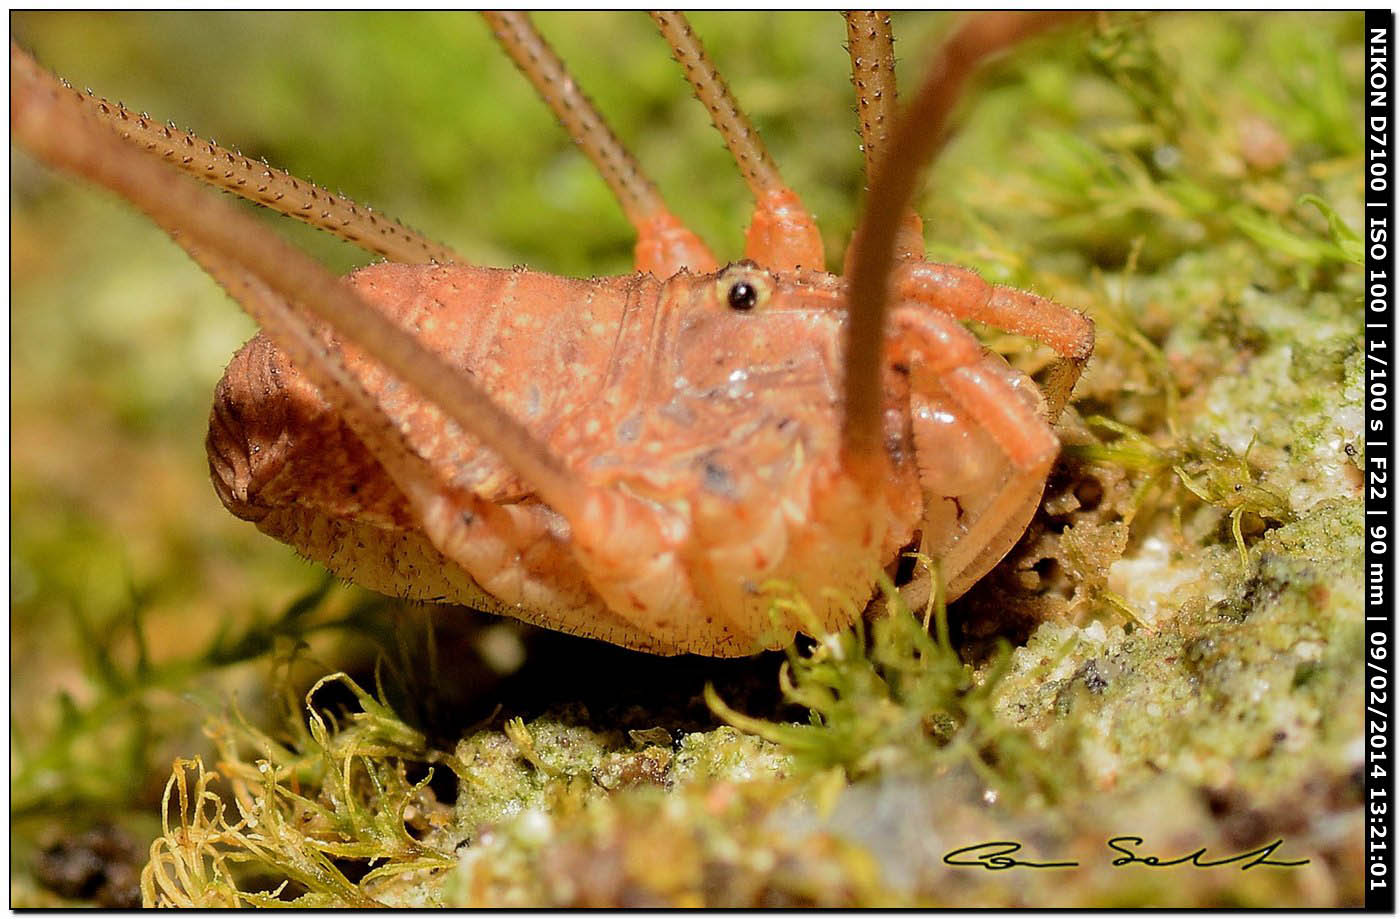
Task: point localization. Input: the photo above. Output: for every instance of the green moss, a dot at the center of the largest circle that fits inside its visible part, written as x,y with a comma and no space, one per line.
900,701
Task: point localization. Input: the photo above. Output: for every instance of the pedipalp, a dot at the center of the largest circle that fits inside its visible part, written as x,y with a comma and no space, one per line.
964,294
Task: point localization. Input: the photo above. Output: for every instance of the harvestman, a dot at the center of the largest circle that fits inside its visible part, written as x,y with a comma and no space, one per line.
628,458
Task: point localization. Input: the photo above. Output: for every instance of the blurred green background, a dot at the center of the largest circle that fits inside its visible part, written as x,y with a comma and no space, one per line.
117,339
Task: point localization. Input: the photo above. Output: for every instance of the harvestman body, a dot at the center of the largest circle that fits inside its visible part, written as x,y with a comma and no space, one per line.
627,458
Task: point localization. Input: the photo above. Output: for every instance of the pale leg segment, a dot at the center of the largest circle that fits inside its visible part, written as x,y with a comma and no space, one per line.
629,550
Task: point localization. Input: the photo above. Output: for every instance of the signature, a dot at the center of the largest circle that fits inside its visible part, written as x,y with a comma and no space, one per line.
1252,858
998,855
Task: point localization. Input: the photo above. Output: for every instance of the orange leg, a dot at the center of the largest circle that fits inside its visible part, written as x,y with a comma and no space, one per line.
962,293
782,235
950,351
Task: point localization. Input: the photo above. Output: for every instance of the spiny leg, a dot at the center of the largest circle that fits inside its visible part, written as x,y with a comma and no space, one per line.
616,540
916,136
870,41
258,182
782,235
664,245
46,118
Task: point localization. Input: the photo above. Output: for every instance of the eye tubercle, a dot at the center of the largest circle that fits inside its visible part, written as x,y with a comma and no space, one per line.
743,287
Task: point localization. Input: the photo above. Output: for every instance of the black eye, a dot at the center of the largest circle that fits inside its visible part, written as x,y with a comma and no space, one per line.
743,296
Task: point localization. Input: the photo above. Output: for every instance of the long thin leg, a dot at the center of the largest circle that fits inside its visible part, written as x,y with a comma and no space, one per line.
782,235
618,541
258,182
870,41
664,245
957,291
916,136
46,119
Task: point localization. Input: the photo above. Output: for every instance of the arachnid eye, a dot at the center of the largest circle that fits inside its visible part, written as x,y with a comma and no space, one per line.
743,287
743,296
